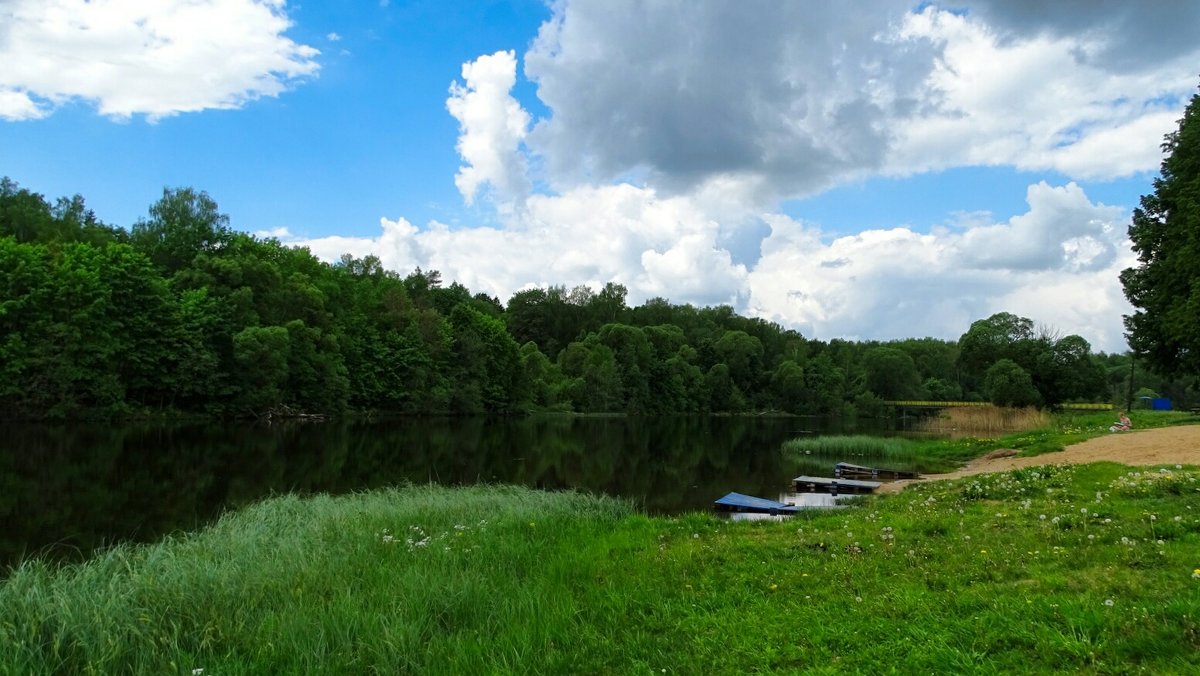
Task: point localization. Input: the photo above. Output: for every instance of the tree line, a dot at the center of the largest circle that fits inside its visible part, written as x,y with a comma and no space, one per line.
182,314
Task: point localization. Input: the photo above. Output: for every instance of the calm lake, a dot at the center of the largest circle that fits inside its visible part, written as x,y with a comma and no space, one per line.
66,490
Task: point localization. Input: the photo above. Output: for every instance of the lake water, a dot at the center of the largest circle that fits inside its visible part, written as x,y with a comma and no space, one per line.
66,490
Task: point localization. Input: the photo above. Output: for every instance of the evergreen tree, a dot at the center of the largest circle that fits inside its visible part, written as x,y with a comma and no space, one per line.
1165,285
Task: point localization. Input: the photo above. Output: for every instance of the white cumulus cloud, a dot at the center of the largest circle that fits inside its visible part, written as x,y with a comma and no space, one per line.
1034,103
1057,263
655,246
493,125
130,57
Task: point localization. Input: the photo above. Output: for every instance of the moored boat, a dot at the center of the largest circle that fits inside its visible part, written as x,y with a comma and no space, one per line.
736,502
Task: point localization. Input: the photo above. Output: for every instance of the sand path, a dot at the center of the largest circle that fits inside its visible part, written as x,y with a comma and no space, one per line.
1165,445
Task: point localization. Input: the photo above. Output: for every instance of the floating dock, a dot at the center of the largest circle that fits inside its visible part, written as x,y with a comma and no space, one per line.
820,484
736,502
849,470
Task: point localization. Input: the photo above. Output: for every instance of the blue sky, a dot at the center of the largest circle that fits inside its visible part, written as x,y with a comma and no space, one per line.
873,170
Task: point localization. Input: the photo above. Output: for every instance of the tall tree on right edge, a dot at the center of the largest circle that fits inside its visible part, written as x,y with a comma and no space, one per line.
1165,285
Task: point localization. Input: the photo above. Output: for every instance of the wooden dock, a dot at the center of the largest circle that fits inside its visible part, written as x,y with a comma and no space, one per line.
849,470
820,484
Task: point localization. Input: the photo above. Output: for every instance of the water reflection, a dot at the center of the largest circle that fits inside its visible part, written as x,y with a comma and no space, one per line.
65,491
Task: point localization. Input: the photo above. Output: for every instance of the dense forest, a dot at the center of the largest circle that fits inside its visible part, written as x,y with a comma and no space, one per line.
182,314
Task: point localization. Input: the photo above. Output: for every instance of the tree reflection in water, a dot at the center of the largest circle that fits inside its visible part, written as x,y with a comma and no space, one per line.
67,490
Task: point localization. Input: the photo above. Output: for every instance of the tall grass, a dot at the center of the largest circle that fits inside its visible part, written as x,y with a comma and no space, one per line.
818,455
853,446
984,421
396,581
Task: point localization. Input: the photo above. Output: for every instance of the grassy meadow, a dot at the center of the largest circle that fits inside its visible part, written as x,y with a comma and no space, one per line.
1091,569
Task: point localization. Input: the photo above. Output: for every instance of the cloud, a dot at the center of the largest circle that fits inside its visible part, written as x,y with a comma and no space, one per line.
1062,230
158,58
280,232
1030,102
1119,34
768,101
776,100
656,246
492,126
1058,264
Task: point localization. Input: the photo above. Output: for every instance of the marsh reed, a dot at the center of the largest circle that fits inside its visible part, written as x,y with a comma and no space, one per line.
984,421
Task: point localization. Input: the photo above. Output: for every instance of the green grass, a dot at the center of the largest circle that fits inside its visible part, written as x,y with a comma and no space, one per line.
1091,568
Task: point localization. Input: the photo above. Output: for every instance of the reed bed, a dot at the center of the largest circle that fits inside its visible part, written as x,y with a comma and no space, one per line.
985,421
853,446
818,455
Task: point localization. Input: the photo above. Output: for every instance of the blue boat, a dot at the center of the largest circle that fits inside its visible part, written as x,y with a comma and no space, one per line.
736,502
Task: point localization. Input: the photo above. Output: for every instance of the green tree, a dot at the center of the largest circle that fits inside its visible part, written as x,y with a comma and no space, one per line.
890,373
634,358
825,385
1165,285
1065,370
1007,384
1001,336
742,353
24,215
489,371
261,355
182,223
787,386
